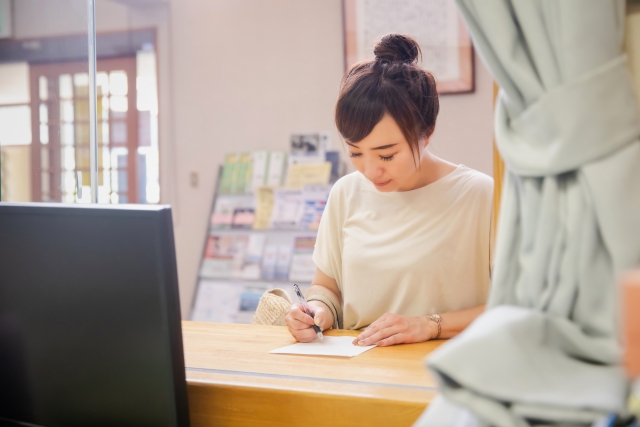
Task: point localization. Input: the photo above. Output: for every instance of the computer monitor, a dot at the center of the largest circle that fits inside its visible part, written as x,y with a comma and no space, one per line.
90,331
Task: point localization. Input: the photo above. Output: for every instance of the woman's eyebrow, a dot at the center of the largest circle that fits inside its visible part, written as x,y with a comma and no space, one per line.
382,147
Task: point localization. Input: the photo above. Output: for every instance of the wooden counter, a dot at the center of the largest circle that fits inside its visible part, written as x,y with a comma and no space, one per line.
234,381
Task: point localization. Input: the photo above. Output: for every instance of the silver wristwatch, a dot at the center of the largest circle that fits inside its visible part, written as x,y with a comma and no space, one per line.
436,318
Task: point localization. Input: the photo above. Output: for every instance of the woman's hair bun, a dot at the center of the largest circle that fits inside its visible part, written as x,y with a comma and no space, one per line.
397,47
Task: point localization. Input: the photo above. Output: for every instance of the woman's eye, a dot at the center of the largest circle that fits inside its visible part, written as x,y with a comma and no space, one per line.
355,154
387,158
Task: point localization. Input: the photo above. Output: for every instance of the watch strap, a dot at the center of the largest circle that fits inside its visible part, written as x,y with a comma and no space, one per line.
436,318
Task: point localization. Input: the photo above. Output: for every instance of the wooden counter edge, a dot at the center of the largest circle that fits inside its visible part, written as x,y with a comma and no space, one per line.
241,405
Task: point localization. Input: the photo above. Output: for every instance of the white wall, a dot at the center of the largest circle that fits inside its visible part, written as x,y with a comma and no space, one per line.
464,130
241,75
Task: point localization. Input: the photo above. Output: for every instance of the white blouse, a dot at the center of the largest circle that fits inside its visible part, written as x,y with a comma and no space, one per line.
413,253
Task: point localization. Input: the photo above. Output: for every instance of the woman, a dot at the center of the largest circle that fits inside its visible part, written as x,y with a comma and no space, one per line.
403,244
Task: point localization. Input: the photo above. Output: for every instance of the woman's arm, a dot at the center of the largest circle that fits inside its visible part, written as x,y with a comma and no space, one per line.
392,329
300,323
454,322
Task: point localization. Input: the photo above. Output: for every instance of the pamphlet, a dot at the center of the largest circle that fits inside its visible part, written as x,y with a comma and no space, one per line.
218,257
283,260
308,148
314,199
233,211
303,269
333,157
222,216
216,302
240,244
228,173
259,170
264,207
243,218
224,257
249,299
302,174
269,262
287,209
240,174
226,302
277,166
253,256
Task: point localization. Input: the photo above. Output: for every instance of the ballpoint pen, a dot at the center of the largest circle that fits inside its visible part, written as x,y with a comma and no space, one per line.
305,307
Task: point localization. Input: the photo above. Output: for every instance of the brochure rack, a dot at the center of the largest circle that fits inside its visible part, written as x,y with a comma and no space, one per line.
239,263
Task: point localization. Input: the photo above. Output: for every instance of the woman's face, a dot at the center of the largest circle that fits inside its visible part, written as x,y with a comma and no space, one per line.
384,157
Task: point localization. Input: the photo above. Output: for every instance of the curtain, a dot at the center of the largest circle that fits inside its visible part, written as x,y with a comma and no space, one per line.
547,350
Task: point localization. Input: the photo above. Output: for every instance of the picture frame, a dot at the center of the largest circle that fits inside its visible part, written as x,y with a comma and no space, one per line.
437,26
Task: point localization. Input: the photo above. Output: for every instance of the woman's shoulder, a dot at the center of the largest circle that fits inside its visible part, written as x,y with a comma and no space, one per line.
476,178
349,183
472,181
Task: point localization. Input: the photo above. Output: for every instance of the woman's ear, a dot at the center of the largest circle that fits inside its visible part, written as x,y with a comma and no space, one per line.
427,138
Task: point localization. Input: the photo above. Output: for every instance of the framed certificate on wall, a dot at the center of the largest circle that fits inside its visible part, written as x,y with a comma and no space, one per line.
436,25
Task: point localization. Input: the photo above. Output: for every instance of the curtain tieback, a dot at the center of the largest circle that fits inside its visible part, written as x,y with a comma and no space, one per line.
583,120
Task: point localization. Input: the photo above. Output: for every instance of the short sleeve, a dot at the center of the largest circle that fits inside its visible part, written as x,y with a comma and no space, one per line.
327,254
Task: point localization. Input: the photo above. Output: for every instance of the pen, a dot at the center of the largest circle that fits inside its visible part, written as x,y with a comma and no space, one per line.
307,310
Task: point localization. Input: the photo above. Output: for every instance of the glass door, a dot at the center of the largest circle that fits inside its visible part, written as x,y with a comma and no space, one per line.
45,119
60,127
37,159
15,132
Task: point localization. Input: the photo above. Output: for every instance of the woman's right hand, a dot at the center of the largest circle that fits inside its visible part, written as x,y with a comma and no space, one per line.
300,324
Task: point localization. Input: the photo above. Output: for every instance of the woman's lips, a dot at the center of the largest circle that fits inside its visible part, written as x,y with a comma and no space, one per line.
381,184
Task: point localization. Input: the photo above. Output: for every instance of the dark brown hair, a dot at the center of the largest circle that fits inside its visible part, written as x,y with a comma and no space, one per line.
392,83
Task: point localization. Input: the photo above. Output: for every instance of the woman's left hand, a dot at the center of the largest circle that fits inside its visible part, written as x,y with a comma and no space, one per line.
391,329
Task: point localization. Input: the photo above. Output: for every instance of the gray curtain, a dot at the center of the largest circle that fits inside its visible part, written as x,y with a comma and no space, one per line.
547,350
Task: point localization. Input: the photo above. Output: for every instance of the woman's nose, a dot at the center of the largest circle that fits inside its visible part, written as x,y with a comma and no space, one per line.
373,171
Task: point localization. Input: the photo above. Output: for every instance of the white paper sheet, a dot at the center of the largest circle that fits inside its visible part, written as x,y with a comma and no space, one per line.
331,346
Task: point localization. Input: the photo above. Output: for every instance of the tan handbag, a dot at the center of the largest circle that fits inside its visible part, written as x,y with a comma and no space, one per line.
272,308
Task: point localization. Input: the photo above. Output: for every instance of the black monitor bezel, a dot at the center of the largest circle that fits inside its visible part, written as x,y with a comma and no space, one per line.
162,214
